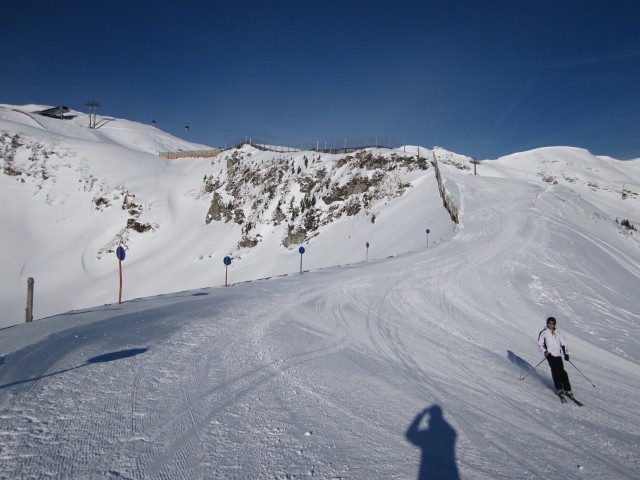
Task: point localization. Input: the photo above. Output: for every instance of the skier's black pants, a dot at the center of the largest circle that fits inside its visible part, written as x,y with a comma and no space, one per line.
560,377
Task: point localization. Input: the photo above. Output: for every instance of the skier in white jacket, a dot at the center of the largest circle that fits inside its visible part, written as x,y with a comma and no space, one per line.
553,345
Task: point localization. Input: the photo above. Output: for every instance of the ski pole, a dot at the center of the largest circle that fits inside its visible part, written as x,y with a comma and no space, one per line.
525,376
581,373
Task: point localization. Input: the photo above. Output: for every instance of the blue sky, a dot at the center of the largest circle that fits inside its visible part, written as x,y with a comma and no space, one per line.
481,78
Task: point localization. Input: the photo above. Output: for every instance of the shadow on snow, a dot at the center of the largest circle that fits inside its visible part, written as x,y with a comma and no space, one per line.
438,445
528,370
107,357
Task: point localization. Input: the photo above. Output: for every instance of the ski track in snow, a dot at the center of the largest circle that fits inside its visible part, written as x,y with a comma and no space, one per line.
320,375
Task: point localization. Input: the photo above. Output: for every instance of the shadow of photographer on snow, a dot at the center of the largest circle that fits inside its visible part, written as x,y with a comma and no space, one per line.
438,445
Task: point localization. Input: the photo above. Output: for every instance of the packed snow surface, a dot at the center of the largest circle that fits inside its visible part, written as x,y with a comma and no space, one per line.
404,366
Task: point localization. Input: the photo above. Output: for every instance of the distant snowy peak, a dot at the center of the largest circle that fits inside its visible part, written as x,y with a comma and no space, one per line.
574,167
562,155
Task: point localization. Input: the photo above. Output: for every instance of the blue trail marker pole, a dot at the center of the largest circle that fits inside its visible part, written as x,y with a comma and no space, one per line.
121,254
428,232
301,250
227,262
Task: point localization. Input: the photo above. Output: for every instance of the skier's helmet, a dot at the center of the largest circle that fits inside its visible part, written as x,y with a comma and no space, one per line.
551,320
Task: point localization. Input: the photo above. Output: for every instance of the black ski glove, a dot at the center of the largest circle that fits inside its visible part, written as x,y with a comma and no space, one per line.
566,357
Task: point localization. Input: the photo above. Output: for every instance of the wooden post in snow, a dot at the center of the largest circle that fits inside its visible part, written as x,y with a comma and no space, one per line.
29,315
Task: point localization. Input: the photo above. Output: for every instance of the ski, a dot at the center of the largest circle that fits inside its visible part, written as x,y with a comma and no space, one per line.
577,402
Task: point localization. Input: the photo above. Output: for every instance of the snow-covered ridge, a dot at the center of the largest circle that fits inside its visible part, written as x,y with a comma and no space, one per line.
131,135
76,193
80,192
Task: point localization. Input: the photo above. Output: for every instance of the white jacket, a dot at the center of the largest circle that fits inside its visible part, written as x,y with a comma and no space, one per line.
552,341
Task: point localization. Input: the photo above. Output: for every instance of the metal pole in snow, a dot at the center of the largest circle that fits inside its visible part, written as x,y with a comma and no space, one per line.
581,373
227,261
120,253
301,250
120,291
525,376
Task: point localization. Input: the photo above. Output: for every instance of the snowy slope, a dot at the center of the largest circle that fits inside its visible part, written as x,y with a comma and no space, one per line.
131,135
54,224
71,195
329,374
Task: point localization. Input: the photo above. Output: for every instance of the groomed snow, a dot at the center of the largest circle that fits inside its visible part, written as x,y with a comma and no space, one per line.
322,374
